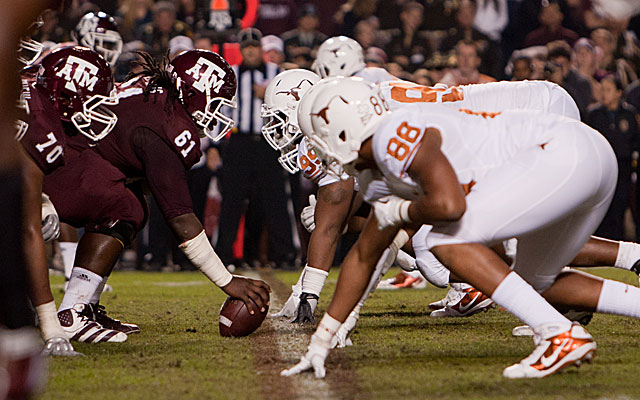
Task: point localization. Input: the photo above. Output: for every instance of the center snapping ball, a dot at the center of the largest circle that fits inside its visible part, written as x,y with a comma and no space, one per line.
235,319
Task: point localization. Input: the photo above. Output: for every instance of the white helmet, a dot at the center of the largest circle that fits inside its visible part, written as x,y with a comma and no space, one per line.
345,112
280,107
339,56
99,33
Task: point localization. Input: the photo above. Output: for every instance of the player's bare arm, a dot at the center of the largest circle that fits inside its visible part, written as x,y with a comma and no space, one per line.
254,293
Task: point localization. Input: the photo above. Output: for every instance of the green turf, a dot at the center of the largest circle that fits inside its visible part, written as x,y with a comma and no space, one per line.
399,351
178,355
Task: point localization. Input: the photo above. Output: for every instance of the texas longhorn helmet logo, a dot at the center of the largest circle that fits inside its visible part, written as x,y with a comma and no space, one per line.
336,50
207,75
295,91
324,110
78,72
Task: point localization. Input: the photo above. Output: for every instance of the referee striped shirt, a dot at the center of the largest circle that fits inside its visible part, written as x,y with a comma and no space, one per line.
247,115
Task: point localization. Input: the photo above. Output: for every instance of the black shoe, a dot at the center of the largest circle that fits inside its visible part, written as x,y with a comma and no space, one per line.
101,317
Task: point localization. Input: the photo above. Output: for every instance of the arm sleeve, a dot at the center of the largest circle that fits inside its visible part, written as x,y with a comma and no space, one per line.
165,174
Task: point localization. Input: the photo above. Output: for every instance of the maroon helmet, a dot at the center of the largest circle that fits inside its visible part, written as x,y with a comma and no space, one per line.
79,84
98,31
206,83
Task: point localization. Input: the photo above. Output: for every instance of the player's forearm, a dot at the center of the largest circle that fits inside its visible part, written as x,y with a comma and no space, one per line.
355,274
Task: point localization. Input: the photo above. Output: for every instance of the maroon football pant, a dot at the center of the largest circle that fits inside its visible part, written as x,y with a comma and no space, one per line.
89,190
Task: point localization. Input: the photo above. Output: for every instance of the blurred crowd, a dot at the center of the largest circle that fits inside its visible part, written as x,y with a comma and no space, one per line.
592,55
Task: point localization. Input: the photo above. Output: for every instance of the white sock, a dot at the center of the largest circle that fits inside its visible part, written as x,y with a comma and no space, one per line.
521,300
628,254
49,323
619,298
82,286
95,298
432,269
405,261
313,280
68,250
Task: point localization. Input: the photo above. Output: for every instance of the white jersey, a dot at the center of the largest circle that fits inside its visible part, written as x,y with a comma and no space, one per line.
491,97
473,144
375,75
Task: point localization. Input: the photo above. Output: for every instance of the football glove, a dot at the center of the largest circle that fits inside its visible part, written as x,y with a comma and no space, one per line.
314,358
391,211
307,215
58,346
50,220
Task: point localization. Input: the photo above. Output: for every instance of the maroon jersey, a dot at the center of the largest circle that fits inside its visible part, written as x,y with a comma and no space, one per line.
170,123
44,139
154,140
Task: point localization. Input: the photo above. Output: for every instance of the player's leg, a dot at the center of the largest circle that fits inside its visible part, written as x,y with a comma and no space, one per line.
68,242
332,210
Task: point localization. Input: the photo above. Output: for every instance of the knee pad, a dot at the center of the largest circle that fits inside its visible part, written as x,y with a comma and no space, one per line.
123,231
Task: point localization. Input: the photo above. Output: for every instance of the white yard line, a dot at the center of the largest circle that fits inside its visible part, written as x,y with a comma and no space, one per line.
292,344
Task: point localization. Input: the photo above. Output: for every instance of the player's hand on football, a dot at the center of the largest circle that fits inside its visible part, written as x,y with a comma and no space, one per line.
391,211
254,293
58,346
307,216
314,358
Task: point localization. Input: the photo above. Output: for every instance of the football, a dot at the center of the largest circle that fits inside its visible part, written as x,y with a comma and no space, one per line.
235,319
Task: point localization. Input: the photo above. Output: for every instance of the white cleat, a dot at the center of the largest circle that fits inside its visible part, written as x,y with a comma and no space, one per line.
463,303
561,350
78,324
522,330
455,292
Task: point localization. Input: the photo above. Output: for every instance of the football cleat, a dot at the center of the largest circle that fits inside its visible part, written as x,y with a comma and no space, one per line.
403,281
454,289
101,317
582,317
570,347
522,330
465,303
79,325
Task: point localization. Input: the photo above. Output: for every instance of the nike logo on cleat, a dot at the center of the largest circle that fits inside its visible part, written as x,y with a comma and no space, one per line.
549,361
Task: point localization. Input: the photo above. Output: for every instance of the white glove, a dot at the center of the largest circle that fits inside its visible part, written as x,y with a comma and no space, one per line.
50,220
341,338
307,216
291,306
316,354
391,211
58,346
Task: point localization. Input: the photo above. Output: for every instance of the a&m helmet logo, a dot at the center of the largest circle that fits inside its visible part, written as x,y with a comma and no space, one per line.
207,75
78,72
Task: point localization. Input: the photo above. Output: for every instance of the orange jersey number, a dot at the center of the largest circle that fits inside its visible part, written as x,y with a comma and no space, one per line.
411,93
310,164
399,146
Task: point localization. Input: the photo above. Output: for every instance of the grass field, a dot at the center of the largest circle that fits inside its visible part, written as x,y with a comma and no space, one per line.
398,352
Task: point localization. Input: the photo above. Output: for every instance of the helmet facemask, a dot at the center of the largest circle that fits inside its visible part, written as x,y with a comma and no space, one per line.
93,111
212,116
289,159
107,44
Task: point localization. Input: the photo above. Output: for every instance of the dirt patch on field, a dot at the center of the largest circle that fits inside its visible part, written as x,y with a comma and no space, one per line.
278,344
